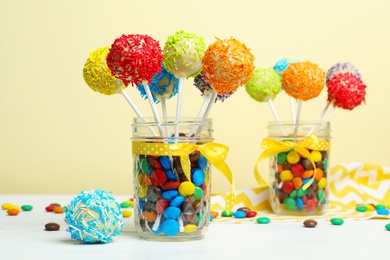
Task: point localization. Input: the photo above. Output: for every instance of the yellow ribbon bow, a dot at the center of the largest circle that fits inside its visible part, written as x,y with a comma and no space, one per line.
215,153
273,147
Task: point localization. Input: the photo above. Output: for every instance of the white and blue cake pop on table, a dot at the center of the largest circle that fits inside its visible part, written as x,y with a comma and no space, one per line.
94,217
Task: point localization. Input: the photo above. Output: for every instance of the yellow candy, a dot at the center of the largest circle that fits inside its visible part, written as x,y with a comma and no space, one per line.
293,157
126,213
322,183
6,206
317,156
370,207
189,228
142,190
186,188
286,175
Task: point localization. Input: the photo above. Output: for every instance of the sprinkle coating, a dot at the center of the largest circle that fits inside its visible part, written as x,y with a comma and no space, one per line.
227,65
98,76
94,217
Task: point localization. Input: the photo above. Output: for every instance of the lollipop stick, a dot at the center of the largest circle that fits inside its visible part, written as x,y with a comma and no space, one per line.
137,112
297,119
153,106
178,107
330,114
320,117
292,109
201,111
271,105
165,114
208,109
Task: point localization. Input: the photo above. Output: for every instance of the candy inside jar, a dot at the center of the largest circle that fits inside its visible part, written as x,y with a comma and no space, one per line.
172,177
298,167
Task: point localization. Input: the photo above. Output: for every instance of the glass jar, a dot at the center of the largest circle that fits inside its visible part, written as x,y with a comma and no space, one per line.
298,160
171,178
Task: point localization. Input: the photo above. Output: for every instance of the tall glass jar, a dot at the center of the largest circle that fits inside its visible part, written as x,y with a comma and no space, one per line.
299,166
171,178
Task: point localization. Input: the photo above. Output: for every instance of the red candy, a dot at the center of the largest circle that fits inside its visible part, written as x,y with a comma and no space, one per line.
310,205
154,162
287,187
251,214
171,185
161,205
51,208
158,177
297,170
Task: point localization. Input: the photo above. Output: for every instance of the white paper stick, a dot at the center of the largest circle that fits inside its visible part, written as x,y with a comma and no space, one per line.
165,114
153,106
137,112
271,105
207,112
178,106
319,118
297,119
330,114
201,112
292,106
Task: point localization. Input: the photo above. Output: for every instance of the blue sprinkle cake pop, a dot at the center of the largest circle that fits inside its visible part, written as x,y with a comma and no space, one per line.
163,86
94,217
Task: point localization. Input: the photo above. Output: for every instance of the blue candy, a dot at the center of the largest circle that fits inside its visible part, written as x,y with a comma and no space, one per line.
170,175
202,162
382,211
170,227
169,194
299,203
172,212
177,201
198,177
165,162
239,214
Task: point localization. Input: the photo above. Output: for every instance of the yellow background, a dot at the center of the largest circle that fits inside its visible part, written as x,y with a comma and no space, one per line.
58,136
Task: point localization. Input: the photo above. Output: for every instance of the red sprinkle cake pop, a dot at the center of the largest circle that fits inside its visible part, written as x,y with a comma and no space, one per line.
135,58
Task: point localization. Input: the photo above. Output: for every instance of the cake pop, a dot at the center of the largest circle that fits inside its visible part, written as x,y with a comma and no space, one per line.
280,67
227,64
94,217
342,67
164,86
264,85
205,88
135,58
346,91
303,81
183,53
98,76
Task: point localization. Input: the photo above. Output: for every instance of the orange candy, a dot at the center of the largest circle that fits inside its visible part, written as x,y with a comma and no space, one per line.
58,210
13,212
149,216
307,174
297,182
319,174
214,213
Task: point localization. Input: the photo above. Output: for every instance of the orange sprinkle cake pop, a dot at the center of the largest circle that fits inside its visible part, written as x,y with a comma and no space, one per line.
227,64
303,80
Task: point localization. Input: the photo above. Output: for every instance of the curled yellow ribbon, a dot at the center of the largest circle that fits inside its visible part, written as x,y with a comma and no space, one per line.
214,152
273,147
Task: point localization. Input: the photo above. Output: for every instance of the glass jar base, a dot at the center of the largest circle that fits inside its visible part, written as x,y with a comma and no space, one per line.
164,238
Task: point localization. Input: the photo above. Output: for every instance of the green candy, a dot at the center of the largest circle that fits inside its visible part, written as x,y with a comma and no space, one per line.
225,214
289,204
125,205
143,166
336,221
282,157
264,220
27,207
293,194
361,208
380,206
388,227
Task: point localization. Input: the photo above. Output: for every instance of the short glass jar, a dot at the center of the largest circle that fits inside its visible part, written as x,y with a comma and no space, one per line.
171,178
299,167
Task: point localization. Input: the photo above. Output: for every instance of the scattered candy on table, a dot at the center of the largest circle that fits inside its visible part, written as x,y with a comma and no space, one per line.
337,221
310,223
52,226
